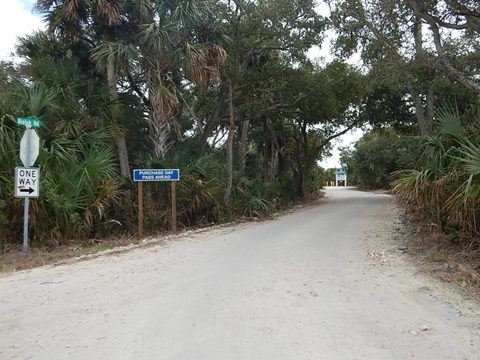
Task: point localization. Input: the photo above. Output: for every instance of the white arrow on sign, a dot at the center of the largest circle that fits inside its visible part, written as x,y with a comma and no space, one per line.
29,147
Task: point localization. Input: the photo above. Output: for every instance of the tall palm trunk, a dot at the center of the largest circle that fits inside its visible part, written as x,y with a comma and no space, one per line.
120,140
159,107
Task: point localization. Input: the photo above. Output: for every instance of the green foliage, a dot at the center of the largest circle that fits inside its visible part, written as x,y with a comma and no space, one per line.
200,190
330,174
447,186
250,198
318,179
162,84
79,169
377,155
77,188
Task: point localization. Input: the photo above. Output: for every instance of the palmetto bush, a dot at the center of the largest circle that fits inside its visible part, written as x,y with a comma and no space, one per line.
199,193
9,140
78,186
201,189
250,197
78,167
447,182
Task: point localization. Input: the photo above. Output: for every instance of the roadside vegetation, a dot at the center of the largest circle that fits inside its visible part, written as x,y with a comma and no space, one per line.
423,113
221,90
225,91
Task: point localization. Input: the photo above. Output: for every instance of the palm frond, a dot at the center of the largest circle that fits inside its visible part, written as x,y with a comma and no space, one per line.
120,52
448,118
470,161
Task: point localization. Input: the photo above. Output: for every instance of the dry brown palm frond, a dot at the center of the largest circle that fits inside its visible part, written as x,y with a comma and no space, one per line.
415,187
164,101
463,204
195,61
441,190
204,63
107,194
110,11
71,9
217,56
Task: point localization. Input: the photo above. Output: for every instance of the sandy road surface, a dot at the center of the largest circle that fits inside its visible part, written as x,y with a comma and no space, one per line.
322,283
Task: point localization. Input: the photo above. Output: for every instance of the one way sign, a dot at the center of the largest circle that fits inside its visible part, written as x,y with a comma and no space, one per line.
27,181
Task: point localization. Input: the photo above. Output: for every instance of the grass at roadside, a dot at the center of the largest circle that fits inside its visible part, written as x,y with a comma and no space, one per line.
98,248
16,259
443,256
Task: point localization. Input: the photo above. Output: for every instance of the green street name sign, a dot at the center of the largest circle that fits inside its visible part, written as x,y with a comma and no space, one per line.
29,122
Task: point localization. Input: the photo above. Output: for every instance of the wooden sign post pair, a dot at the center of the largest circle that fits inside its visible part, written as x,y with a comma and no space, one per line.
142,175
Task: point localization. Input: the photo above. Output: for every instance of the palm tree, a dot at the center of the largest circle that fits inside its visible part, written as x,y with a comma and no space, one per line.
70,19
161,35
166,33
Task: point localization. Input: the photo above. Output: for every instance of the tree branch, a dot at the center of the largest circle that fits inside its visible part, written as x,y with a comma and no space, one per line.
444,64
135,88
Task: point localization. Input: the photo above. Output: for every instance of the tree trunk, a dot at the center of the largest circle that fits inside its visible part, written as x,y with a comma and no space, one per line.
123,155
266,150
419,112
213,118
444,64
273,159
300,164
231,134
430,109
120,140
423,116
243,145
418,37
178,113
304,170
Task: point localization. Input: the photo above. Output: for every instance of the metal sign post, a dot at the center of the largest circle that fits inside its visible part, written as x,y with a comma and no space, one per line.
26,215
27,179
141,175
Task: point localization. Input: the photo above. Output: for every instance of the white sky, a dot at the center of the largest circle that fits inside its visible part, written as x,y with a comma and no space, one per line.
324,55
18,19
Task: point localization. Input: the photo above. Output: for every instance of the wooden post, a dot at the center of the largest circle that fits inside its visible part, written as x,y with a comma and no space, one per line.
140,209
174,206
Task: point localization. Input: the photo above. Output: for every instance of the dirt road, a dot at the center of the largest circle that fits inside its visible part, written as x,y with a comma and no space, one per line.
325,282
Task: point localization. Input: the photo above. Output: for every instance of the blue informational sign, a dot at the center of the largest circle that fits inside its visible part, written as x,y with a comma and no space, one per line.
156,175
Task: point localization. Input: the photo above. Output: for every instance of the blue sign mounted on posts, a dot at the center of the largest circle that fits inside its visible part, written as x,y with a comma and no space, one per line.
341,175
156,175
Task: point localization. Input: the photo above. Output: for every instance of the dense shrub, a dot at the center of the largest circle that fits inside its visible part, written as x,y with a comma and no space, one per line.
377,155
446,182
